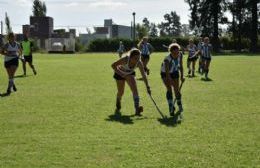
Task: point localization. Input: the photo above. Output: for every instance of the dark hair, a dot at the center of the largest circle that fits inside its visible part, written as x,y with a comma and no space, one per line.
10,35
134,52
173,46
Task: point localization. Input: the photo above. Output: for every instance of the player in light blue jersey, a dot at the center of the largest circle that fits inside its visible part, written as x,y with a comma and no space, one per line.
192,57
206,50
200,55
124,71
146,50
171,73
121,49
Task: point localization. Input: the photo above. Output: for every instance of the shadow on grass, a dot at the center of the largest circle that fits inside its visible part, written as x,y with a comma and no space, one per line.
124,119
170,121
118,117
206,79
20,76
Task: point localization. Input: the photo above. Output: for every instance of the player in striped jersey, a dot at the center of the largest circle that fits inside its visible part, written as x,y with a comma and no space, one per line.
206,50
121,49
124,72
192,57
171,72
200,55
146,50
11,51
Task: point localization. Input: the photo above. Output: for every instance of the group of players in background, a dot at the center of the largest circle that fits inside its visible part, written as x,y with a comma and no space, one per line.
12,52
172,73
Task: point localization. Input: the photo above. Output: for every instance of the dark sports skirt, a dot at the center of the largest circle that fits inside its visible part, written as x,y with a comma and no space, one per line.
174,75
12,62
28,58
206,58
118,77
145,56
192,58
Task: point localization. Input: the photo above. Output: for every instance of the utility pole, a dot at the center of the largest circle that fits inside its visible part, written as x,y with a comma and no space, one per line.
1,27
134,29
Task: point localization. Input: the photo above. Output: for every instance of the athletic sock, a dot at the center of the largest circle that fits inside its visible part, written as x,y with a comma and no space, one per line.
179,103
170,100
118,103
136,102
10,83
206,73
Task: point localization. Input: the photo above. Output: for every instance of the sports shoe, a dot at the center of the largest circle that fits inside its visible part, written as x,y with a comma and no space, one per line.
148,71
180,108
181,116
139,110
172,110
8,91
14,88
34,72
118,105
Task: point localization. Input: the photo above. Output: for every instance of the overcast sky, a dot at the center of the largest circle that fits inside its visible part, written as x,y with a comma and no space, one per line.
80,14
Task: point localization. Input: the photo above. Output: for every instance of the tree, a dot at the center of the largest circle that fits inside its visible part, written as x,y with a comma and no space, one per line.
206,16
146,24
244,22
254,25
153,30
141,31
171,26
185,30
7,22
39,8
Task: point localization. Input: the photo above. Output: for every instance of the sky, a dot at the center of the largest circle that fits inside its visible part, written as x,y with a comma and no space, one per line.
80,14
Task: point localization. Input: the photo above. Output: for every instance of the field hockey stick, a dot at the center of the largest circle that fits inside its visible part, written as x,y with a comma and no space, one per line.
156,106
179,91
165,46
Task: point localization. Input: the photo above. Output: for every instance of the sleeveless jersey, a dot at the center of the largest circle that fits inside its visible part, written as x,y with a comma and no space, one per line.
174,63
26,45
12,51
192,50
126,69
145,49
206,49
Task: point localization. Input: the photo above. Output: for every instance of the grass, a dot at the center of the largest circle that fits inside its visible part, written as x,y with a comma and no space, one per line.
63,117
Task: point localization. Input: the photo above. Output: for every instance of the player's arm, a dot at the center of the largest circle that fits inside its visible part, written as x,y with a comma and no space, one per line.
4,51
31,47
117,63
141,68
181,68
151,48
20,50
167,72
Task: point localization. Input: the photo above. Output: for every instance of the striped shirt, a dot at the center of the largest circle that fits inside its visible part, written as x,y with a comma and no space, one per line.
174,63
121,48
192,50
12,51
146,48
206,50
126,69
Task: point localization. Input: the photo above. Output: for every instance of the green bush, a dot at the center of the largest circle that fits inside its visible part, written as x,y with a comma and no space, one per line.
111,45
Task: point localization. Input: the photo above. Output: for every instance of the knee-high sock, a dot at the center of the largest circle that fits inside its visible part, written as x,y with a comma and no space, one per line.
136,101
118,102
178,98
10,83
169,99
206,72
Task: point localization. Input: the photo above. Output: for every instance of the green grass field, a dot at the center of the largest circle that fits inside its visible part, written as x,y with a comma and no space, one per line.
63,117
